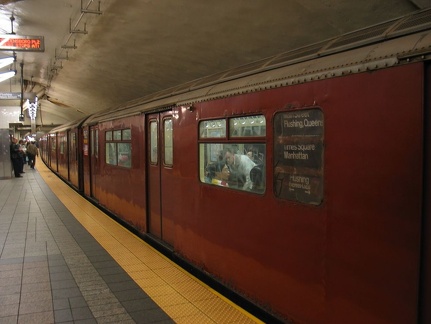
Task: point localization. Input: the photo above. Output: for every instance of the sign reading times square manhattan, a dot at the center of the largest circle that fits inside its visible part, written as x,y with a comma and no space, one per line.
10,42
298,155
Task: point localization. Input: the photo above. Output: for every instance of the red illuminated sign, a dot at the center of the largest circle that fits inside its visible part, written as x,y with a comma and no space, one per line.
22,43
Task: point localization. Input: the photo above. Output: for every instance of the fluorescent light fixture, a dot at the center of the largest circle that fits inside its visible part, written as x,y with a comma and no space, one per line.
6,61
7,75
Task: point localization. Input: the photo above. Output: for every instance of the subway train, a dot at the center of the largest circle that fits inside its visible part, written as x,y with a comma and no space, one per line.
298,185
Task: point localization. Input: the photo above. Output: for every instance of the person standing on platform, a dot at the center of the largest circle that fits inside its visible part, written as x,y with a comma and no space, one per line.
22,154
15,157
32,152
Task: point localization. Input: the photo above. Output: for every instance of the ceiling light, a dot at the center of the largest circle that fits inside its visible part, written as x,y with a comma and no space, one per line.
7,75
6,61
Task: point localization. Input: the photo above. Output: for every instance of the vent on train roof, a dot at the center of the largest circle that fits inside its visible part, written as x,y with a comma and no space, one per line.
300,53
413,23
162,93
246,68
184,87
360,36
209,79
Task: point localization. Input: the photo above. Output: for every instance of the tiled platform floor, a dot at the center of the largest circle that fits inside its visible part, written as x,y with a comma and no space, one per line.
55,270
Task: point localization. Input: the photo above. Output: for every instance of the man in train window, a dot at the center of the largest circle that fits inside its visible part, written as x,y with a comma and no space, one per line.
240,166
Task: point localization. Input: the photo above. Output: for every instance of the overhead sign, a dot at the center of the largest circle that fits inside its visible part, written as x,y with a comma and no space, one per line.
10,95
22,43
17,95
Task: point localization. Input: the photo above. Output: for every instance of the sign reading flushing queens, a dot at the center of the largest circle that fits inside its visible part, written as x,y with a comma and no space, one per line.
22,43
298,155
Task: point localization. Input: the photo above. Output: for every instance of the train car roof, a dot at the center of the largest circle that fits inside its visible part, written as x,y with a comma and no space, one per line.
376,47
68,126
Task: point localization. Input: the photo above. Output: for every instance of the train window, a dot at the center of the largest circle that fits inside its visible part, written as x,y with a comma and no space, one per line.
248,126
212,128
72,140
118,149
126,134
153,141
124,155
96,145
92,142
117,135
168,142
111,153
53,143
298,155
229,162
63,144
238,166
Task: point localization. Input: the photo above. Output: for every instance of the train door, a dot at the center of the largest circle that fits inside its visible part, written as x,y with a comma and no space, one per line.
94,159
160,170
53,153
73,158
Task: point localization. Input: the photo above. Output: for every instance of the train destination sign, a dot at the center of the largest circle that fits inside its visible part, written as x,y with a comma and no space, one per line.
22,43
298,155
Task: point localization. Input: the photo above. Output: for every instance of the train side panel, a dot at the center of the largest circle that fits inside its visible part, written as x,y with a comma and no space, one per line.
43,148
84,149
120,183
73,144
63,155
53,159
353,258
327,217
374,187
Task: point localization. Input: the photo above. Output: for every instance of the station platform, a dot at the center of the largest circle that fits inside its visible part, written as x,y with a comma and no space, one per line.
62,260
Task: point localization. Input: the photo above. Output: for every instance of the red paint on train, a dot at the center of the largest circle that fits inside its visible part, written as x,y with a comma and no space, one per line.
357,254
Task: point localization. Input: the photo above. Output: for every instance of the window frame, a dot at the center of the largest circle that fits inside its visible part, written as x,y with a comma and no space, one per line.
114,140
227,139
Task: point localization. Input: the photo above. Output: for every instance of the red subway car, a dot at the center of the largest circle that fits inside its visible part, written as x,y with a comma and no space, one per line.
300,183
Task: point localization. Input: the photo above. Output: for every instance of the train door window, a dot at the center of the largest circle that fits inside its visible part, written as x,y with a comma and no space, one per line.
72,144
232,153
96,145
92,141
168,142
153,141
118,148
298,155
63,141
53,143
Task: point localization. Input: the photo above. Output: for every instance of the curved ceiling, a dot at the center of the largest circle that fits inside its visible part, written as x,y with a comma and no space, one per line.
101,53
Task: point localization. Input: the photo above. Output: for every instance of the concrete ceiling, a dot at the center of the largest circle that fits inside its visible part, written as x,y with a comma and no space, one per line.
137,47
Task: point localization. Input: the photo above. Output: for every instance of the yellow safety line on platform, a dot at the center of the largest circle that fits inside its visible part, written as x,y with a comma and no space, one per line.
182,296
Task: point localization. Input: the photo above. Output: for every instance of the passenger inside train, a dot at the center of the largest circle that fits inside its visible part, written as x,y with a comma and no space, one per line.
238,144
234,169
222,177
